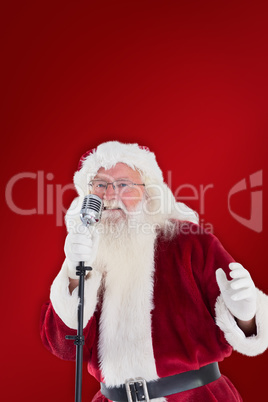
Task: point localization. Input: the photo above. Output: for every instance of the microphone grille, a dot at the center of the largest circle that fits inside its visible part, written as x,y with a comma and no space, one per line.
91,209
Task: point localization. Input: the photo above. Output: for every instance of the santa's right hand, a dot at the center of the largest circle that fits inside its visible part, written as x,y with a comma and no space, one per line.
80,247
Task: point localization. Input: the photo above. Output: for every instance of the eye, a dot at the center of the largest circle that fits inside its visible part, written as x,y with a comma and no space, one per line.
123,184
100,185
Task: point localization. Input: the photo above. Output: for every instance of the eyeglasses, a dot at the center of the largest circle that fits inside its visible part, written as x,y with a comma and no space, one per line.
100,186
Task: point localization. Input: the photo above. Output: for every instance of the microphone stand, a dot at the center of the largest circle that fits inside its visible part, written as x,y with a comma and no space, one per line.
79,339
90,214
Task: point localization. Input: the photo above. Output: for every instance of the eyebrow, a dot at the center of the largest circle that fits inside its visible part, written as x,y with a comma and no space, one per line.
119,178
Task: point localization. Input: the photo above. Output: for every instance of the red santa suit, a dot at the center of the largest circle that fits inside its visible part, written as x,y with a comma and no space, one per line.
156,310
183,332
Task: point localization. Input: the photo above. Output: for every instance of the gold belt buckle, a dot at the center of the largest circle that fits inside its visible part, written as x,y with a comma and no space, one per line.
141,382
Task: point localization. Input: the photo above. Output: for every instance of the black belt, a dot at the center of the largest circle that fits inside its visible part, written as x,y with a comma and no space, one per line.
139,390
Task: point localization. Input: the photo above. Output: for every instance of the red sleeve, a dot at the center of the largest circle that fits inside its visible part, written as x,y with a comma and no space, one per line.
53,332
215,256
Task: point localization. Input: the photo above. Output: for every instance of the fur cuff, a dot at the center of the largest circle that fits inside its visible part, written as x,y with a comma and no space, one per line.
65,304
252,345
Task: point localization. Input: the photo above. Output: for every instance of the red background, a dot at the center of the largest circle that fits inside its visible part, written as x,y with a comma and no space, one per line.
186,78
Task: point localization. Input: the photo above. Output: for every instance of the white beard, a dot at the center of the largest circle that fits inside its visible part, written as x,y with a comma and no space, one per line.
126,259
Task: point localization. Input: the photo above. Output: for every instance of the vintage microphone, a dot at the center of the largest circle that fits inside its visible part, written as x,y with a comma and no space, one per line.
90,214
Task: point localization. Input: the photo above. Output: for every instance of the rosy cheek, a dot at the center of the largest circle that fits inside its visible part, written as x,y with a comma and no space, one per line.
131,200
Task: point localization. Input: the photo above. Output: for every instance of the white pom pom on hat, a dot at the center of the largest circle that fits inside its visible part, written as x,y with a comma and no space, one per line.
108,154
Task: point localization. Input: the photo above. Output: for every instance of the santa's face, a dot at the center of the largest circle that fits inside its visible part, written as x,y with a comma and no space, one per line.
119,197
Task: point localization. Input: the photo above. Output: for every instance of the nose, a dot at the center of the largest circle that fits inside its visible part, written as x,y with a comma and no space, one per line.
110,193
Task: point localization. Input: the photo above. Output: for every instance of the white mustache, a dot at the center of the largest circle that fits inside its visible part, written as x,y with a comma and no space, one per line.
113,204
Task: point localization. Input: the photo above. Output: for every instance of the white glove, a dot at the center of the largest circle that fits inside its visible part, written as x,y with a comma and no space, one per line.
239,294
80,247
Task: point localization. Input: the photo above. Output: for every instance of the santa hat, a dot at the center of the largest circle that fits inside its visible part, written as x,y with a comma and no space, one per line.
108,154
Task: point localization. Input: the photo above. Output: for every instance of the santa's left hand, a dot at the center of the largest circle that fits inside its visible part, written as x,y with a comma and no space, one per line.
239,294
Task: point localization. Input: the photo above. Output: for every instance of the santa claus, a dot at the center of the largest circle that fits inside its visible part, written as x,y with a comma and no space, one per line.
164,301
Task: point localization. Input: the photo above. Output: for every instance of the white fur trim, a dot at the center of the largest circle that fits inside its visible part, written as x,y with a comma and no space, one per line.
250,346
65,304
109,154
